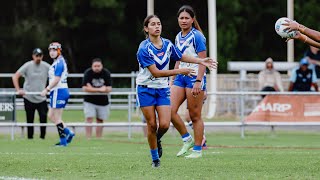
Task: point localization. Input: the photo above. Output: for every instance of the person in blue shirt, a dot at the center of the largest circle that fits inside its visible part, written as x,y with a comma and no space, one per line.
153,93
189,41
59,92
303,77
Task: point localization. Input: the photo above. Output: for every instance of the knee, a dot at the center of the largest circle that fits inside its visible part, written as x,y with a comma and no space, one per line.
152,127
51,116
195,116
164,126
89,120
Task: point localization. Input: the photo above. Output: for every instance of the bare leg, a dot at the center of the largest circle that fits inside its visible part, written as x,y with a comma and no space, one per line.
177,97
195,107
89,128
150,115
99,129
164,119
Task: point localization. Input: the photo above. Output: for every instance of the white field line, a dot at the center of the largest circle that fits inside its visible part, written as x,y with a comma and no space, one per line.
15,178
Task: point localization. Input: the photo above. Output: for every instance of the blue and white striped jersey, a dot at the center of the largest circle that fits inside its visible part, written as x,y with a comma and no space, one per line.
148,55
59,68
191,44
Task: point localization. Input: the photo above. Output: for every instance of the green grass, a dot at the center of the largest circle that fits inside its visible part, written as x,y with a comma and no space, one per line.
258,156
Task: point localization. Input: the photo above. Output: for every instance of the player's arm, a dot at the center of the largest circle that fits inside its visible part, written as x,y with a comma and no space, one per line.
165,73
176,66
210,63
307,40
311,37
54,82
201,68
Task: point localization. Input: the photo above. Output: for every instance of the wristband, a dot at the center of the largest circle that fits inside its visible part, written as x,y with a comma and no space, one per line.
198,80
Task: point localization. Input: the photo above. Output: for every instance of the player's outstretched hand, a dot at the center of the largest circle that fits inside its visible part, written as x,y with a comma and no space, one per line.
188,72
210,63
297,36
292,26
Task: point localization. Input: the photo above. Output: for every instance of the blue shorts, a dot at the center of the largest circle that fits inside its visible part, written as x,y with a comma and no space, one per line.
188,82
152,96
59,98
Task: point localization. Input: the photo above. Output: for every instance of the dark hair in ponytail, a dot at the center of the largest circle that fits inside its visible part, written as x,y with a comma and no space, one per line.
146,22
189,10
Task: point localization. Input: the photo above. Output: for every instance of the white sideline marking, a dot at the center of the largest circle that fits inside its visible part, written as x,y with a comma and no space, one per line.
51,153
78,154
15,178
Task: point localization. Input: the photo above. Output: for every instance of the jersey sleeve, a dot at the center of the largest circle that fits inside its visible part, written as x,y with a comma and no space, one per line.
175,53
23,69
85,78
59,69
107,79
144,58
200,42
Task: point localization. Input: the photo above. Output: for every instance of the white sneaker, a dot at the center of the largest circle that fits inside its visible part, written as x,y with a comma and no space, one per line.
186,146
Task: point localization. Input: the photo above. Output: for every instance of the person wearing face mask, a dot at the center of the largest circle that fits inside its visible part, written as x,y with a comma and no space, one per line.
97,79
269,79
35,73
59,92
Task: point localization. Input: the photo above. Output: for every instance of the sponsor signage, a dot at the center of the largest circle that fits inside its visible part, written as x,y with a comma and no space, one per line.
285,108
7,108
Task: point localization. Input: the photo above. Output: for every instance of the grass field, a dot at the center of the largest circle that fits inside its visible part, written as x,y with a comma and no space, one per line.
258,156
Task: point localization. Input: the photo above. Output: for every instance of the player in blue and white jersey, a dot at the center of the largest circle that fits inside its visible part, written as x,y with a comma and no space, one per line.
189,41
153,93
59,92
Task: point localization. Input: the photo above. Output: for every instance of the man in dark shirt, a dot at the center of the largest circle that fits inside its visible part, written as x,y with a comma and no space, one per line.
96,79
303,77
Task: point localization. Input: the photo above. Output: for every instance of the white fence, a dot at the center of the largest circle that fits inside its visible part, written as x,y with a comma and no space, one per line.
241,123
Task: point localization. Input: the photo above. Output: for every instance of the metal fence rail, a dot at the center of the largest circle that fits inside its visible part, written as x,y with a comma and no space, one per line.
241,124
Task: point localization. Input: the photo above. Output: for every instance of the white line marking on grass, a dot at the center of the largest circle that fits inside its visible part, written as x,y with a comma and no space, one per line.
63,153
15,178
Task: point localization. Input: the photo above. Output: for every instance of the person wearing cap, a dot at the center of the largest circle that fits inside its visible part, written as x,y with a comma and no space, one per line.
35,73
303,78
59,92
269,79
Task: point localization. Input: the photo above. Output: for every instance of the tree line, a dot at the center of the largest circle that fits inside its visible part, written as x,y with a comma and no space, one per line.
112,30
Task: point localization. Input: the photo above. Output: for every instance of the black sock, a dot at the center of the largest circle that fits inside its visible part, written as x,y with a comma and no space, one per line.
160,134
61,130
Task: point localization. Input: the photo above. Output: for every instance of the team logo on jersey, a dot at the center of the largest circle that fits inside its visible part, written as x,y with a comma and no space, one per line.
61,102
152,78
160,54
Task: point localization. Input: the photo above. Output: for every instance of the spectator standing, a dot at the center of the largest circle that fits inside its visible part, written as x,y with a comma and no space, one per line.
303,77
269,79
35,73
97,79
